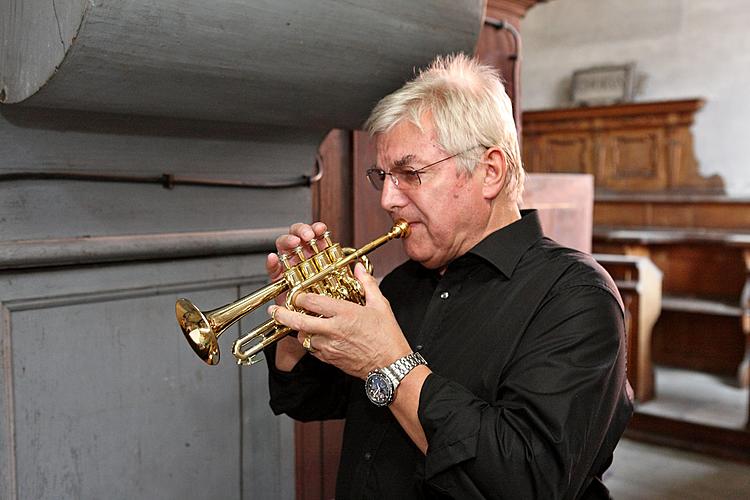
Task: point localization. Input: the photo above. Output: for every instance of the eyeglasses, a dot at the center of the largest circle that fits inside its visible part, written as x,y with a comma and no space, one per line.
404,178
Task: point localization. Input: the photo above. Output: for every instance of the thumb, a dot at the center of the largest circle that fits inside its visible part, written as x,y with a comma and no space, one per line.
368,281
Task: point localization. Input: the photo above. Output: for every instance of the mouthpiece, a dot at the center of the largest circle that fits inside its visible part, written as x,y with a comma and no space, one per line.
401,228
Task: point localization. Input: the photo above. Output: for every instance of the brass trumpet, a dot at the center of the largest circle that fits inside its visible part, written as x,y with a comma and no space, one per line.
326,272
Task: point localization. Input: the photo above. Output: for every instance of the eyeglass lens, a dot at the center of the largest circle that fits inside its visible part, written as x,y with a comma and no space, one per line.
402,180
405,179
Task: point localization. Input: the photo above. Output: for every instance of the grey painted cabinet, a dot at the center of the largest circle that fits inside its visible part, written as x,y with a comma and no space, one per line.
103,398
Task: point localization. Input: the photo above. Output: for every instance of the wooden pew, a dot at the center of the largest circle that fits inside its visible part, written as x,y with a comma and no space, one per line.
706,281
639,282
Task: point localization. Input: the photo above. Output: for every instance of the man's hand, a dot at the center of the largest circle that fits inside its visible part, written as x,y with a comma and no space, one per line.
354,338
288,350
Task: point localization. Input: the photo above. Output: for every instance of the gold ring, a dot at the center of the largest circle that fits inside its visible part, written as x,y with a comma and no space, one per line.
308,347
273,314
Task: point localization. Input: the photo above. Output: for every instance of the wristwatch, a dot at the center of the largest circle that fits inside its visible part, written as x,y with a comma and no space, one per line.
381,384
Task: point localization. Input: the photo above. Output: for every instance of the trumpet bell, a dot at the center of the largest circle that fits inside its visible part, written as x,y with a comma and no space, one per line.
198,331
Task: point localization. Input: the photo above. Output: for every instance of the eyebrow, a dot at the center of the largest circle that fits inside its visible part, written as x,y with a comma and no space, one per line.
404,161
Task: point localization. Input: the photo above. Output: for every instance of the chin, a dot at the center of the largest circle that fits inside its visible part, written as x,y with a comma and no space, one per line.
414,253
424,257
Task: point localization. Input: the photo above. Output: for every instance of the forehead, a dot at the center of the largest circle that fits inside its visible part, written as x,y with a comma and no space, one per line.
405,143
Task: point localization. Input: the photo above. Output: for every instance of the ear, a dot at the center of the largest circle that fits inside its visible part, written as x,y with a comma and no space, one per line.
494,170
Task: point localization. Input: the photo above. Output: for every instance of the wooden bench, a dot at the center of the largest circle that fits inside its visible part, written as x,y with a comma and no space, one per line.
639,282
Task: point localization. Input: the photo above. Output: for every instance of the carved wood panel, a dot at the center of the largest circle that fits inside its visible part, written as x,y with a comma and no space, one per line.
561,153
633,160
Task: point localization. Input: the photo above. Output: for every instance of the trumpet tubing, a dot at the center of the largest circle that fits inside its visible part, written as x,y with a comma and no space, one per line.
325,272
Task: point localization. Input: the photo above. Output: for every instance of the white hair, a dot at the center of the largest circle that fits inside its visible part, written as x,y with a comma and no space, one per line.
469,107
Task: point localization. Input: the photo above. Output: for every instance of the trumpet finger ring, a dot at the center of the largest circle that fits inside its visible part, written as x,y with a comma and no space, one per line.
307,345
273,314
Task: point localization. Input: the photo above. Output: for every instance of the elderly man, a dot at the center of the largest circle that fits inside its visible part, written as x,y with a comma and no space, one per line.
492,363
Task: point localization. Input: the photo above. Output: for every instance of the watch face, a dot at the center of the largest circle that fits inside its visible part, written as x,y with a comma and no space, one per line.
379,389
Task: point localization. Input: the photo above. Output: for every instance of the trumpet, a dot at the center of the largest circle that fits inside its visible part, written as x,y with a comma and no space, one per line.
326,272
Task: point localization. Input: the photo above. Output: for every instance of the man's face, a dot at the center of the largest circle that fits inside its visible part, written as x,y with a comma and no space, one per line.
447,212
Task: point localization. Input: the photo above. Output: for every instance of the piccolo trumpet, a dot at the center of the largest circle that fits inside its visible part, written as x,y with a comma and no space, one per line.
327,272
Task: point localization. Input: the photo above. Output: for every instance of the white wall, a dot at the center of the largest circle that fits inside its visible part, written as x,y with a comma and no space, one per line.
683,48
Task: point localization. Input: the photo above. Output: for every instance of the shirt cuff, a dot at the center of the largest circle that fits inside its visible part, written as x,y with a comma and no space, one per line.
450,416
306,363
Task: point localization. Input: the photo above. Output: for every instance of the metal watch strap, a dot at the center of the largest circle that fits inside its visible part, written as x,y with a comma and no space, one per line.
402,366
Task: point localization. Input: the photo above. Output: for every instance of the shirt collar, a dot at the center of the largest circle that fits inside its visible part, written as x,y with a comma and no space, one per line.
505,247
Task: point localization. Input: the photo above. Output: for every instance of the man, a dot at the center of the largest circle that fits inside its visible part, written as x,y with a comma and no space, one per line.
492,363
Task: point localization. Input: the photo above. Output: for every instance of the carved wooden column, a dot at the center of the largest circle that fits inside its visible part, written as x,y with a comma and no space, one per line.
501,47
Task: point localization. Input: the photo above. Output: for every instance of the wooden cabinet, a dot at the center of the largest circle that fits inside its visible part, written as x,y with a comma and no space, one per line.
644,147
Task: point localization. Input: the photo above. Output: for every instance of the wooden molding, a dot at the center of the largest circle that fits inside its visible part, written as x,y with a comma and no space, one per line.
16,254
633,116
732,444
517,8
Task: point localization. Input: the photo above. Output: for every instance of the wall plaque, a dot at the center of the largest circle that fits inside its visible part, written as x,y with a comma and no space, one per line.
602,85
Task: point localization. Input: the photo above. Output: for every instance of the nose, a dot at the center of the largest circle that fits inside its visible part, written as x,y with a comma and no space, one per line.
392,198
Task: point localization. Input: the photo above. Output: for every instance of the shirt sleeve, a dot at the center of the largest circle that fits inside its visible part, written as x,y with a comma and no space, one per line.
554,406
313,390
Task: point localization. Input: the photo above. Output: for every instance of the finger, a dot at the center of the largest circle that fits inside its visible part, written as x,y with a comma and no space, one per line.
313,344
323,305
273,266
300,322
304,231
286,242
319,228
369,284
302,336
298,233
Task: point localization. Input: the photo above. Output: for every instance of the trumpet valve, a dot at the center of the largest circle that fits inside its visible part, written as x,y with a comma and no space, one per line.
299,252
321,260
334,252
284,258
314,245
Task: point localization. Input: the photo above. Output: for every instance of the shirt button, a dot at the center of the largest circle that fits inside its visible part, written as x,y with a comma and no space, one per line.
445,295
368,456
419,347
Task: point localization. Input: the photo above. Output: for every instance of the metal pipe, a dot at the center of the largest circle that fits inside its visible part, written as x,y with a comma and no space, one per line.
168,181
501,24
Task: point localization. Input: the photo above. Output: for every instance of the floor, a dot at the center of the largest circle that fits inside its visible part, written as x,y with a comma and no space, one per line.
698,397
644,471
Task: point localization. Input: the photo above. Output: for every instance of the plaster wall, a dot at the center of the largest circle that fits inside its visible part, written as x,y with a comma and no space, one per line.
681,49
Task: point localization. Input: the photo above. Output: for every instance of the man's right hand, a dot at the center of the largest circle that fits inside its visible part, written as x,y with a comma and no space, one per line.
288,350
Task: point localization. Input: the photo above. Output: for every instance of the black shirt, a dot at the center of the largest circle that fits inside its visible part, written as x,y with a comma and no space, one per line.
527,398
